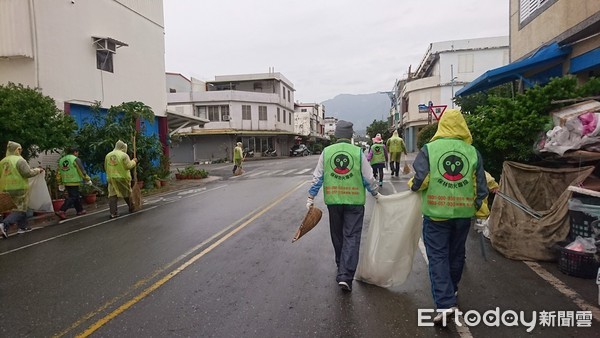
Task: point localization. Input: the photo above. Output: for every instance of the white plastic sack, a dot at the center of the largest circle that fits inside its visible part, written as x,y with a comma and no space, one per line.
39,196
386,256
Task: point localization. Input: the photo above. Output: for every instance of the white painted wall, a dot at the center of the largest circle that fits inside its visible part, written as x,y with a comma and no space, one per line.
186,103
64,58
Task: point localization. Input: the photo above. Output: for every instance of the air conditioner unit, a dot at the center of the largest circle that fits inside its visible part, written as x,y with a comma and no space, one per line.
226,118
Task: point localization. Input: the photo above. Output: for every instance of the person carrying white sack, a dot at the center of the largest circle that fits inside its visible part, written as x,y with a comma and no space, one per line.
449,174
344,173
14,174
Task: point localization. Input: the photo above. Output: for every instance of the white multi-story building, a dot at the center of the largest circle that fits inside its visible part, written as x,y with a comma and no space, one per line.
308,121
255,109
446,67
329,123
107,52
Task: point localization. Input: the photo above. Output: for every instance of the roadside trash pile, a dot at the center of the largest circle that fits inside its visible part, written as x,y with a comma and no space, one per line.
551,212
576,127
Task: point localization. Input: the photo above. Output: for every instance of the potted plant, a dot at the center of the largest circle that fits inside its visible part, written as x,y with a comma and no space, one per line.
91,191
164,170
58,197
190,172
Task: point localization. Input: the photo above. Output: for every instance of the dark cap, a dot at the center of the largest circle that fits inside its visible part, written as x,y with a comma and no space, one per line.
343,129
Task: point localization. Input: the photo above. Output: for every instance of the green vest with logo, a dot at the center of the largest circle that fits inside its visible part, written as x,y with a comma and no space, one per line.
451,189
378,154
68,169
342,175
11,179
113,164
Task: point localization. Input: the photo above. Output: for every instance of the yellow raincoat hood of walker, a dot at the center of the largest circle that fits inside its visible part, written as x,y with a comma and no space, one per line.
122,146
453,125
12,147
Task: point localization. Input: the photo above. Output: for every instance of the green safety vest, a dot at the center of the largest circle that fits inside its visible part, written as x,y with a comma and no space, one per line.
395,145
11,179
378,154
114,166
451,189
342,175
68,169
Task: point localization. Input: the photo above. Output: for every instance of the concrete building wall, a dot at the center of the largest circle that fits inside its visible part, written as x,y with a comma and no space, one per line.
58,54
177,83
550,22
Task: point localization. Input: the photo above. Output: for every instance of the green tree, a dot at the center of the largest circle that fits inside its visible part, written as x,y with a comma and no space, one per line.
97,137
426,134
379,127
32,119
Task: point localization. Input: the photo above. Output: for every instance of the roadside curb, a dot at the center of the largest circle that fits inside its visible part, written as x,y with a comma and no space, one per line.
50,219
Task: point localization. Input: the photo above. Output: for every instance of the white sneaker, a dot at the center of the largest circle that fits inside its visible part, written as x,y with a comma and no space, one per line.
444,317
345,286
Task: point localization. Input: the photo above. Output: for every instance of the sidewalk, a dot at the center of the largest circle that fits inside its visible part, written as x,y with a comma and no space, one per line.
49,219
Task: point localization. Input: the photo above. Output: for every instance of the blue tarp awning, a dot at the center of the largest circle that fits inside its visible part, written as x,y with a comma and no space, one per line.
585,62
542,59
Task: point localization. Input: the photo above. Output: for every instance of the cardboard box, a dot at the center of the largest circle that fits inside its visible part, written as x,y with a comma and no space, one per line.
560,117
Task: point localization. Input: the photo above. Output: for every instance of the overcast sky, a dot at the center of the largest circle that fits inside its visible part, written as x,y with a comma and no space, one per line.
324,47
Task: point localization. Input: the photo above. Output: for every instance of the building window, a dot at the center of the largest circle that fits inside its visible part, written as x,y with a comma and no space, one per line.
529,9
225,113
465,63
172,90
290,118
289,95
303,110
246,112
104,60
213,113
283,90
284,116
278,115
200,112
262,113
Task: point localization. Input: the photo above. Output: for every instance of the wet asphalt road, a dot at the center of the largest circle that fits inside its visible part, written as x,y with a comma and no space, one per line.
217,261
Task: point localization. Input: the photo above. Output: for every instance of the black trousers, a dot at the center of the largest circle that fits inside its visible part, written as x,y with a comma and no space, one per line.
395,168
73,200
345,226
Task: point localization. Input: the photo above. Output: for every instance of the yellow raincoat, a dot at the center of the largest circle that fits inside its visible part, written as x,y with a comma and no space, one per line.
117,165
14,174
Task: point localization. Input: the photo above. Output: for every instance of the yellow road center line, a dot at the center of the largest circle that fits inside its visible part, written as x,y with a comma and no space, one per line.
97,325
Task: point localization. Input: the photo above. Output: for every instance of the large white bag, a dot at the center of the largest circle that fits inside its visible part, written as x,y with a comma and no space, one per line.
386,256
39,196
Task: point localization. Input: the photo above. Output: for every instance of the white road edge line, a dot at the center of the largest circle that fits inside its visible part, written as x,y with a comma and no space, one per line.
564,289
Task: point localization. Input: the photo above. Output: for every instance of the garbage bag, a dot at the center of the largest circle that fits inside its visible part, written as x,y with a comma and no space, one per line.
39,196
386,256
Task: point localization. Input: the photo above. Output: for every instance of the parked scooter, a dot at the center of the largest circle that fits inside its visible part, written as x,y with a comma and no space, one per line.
248,152
270,152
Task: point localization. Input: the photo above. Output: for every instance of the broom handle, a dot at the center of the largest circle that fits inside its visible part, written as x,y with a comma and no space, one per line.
134,156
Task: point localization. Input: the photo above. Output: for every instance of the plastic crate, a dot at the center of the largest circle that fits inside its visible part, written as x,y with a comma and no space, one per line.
584,218
577,264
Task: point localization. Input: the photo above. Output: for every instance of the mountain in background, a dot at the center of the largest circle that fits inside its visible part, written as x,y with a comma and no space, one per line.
359,109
